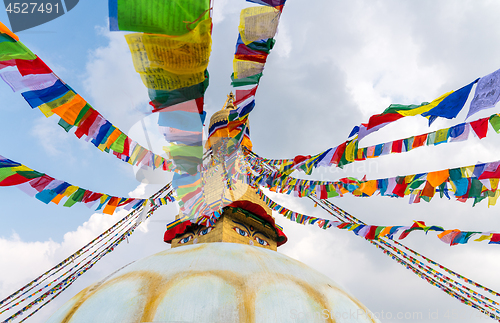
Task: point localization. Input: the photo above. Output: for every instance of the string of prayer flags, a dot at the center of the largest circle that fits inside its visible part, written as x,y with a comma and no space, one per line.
427,272
43,90
463,278
171,54
464,294
48,189
77,264
293,216
374,232
476,182
348,152
258,26
447,105
451,237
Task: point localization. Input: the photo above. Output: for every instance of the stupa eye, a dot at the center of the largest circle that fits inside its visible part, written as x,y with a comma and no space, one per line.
262,241
205,231
186,239
241,232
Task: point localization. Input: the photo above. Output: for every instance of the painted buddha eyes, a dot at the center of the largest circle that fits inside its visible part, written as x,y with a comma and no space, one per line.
244,233
241,232
205,231
186,239
261,241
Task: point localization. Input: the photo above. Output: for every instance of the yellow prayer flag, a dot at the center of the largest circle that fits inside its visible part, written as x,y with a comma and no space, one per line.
494,183
441,135
350,150
467,171
21,168
258,23
492,200
243,68
409,179
484,237
70,190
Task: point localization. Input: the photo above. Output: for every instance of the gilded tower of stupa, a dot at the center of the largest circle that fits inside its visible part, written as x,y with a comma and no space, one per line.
226,273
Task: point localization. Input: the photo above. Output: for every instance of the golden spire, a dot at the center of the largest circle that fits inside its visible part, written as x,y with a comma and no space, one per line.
228,105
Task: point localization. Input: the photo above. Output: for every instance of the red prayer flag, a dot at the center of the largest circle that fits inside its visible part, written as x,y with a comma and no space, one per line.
339,152
40,183
34,66
10,62
343,225
495,238
126,147
371,233
397,146
253,58
300,158
480,127
494,174
93,197
400,189
85,124
379,119
242,95
14,179
419,141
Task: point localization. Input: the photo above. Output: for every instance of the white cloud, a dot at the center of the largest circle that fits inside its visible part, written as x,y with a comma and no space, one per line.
54,141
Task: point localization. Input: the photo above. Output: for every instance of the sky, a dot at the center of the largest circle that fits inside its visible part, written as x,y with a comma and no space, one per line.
334,65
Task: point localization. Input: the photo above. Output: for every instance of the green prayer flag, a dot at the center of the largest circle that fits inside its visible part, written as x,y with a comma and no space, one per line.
416,183
16,50
480,198
166,98
75,197
455,173
172,17
66,126
263,47
118,145
30,174
6,172
426,198
82,113
475,188
394,108
495,122
254,79
378,230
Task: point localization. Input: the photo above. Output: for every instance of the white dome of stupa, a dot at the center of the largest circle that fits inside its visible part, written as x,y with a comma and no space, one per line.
214,282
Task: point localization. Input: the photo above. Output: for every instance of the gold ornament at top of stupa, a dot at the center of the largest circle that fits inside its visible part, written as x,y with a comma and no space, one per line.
246,218
223,114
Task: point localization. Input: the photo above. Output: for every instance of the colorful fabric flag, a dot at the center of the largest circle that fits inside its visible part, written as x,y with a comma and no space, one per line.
451,105
487,93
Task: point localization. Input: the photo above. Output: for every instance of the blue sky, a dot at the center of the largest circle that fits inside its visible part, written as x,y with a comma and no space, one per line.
334,65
